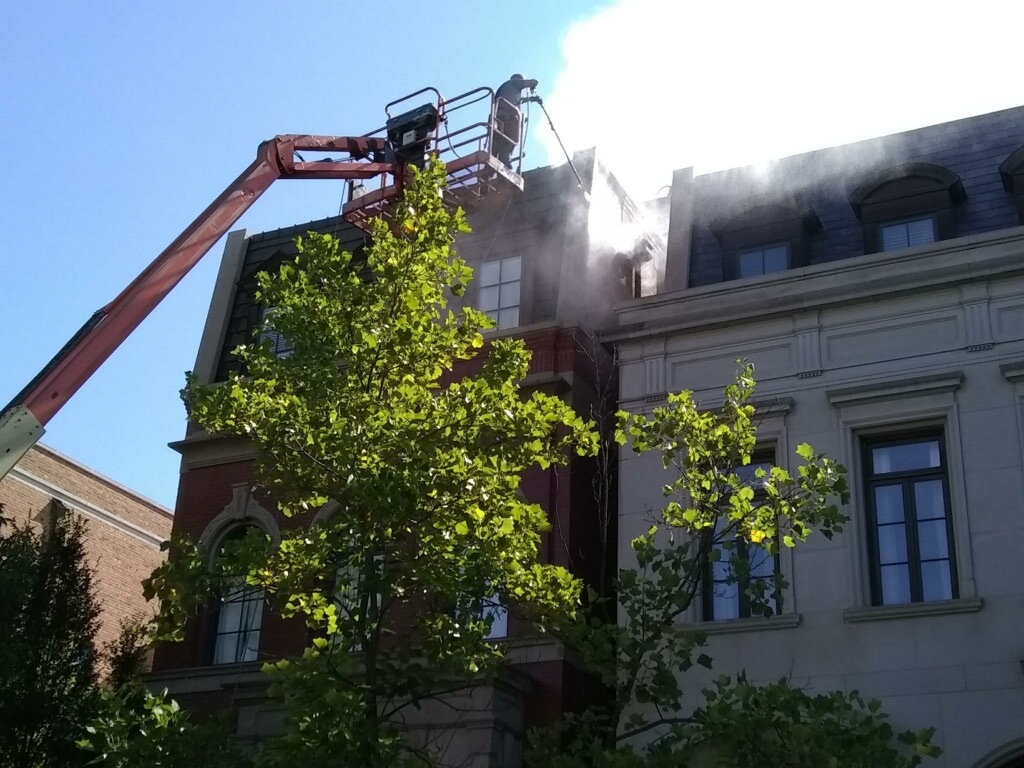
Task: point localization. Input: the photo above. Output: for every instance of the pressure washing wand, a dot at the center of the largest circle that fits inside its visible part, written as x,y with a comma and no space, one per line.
540,102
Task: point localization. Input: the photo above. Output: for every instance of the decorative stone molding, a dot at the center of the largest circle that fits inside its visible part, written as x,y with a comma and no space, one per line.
808,345
910,610
892,389
977,317
752,624
243,509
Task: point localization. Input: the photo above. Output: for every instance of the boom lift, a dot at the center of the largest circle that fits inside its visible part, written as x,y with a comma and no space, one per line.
381,156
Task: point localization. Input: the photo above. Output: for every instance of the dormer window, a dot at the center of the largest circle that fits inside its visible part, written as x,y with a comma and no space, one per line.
765,239
272,338
499,285
907,205
1011,171
907,234
762,261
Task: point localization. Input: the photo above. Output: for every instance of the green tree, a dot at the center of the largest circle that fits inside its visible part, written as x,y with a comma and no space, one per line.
716,510
48,621
430,534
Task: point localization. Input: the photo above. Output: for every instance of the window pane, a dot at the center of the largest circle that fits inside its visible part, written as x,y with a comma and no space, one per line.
725,597
224,652
895,584
888,504
498,614
726,602
747,473
762,564
931,536
892,544
489,298
899,458
751,263
490,273
249,650
921,231
935,580
894,236
929,500
508,318
509,295
776,259
511,269
230,617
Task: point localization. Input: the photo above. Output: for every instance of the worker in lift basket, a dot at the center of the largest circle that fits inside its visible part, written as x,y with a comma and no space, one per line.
506,116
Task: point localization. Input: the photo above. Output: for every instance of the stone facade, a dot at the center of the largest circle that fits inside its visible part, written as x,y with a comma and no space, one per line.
123,533
854,349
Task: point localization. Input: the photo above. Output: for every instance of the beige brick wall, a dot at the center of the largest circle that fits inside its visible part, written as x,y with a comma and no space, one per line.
123,529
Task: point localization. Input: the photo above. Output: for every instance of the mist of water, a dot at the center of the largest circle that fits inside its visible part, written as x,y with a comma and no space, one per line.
658,86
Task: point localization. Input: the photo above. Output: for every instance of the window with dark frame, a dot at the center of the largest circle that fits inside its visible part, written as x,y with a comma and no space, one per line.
763,260
907,233
765,238
910,527
726,592
906,205
239,616
499,284
278,344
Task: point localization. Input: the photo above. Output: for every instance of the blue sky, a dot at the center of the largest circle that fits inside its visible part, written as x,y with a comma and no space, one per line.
122,121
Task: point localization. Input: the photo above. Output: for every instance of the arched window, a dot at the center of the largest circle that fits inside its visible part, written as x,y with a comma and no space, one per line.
907,205
236,638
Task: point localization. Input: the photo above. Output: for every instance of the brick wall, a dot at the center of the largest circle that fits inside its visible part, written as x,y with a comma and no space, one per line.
123,529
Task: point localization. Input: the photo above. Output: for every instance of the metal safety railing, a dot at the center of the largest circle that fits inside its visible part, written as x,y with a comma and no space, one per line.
468,138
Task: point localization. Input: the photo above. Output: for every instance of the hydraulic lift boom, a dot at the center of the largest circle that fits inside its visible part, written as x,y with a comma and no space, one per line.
22,422
474,174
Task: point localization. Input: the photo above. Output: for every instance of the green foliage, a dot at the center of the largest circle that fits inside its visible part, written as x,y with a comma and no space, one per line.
423,469
642,653
742,725
136,728
48,620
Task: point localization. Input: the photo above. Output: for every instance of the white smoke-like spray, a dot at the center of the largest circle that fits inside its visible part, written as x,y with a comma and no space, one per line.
663,84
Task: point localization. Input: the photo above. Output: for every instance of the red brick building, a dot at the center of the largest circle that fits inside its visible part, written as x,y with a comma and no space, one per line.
123,529
547,275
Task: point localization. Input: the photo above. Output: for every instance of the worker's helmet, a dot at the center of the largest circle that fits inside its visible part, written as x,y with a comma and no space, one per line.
517,76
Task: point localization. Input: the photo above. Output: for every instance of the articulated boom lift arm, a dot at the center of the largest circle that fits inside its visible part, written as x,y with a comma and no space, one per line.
22,422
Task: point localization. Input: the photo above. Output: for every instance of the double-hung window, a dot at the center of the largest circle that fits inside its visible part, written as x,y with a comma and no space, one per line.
499,285
908,233
762,261
727,588
907,491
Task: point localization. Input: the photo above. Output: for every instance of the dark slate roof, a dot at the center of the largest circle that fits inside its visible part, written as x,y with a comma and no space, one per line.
534,220
972,148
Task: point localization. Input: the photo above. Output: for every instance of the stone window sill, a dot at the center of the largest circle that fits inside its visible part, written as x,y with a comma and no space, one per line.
759,624
909,610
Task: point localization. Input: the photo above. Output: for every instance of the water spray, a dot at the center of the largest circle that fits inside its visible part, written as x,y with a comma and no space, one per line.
540,102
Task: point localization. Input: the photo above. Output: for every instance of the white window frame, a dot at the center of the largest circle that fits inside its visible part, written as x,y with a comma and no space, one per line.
501,311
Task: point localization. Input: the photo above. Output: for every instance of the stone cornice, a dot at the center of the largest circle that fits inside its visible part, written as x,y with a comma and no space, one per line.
860,278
